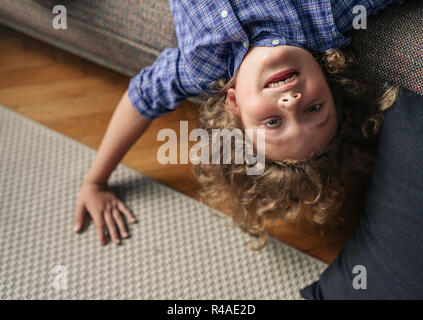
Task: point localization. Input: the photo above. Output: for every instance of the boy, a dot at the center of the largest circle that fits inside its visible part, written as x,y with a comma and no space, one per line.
254,43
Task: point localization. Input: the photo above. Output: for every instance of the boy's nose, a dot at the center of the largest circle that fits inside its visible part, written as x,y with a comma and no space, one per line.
290,101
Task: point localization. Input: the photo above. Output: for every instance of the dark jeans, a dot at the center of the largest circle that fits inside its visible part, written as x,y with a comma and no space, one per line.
388,241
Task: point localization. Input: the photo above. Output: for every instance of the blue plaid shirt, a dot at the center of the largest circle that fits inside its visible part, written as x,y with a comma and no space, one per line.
214,35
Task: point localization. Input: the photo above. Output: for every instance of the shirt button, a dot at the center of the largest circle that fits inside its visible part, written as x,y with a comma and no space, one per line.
244,43
224,13
275,42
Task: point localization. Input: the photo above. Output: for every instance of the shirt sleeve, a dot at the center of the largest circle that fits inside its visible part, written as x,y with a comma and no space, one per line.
161,87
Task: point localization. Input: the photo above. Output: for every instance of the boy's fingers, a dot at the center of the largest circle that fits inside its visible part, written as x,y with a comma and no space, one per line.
120,223
79,217
111,226
99,223
126,212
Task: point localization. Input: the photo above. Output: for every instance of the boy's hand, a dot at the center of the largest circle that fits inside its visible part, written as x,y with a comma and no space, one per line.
105,209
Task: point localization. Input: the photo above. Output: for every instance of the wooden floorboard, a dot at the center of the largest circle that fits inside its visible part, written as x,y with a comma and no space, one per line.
77,98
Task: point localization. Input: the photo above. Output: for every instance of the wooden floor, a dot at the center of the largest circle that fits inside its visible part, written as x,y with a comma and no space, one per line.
77,98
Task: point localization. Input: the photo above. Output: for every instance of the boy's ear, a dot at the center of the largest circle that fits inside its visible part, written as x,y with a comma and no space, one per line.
230,103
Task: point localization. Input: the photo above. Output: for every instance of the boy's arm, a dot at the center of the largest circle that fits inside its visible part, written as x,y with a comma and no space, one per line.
156,90
125,128
159,88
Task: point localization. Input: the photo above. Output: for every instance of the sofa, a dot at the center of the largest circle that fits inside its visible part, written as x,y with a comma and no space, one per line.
128,35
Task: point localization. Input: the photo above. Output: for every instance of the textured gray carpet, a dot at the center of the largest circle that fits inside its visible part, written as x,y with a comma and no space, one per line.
178,249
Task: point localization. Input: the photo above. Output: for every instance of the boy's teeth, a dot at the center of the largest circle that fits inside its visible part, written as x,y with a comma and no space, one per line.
282,82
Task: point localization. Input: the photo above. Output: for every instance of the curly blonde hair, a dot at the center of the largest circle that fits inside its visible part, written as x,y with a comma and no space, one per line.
311,189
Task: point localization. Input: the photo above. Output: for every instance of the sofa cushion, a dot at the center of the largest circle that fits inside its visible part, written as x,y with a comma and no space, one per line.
384,257
128,35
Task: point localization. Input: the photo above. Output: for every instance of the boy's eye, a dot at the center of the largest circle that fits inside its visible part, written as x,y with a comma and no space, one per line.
272,123
314,108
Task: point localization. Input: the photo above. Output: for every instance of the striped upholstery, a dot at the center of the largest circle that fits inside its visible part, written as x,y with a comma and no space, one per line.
391,49
124,35
128,35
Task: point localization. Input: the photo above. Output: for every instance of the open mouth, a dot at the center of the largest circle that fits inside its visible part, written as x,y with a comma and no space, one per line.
280,79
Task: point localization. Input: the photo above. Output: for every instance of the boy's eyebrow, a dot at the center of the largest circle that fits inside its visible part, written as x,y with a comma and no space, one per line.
274,140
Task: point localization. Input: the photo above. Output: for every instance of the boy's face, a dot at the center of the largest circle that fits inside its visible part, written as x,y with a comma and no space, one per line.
299,116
